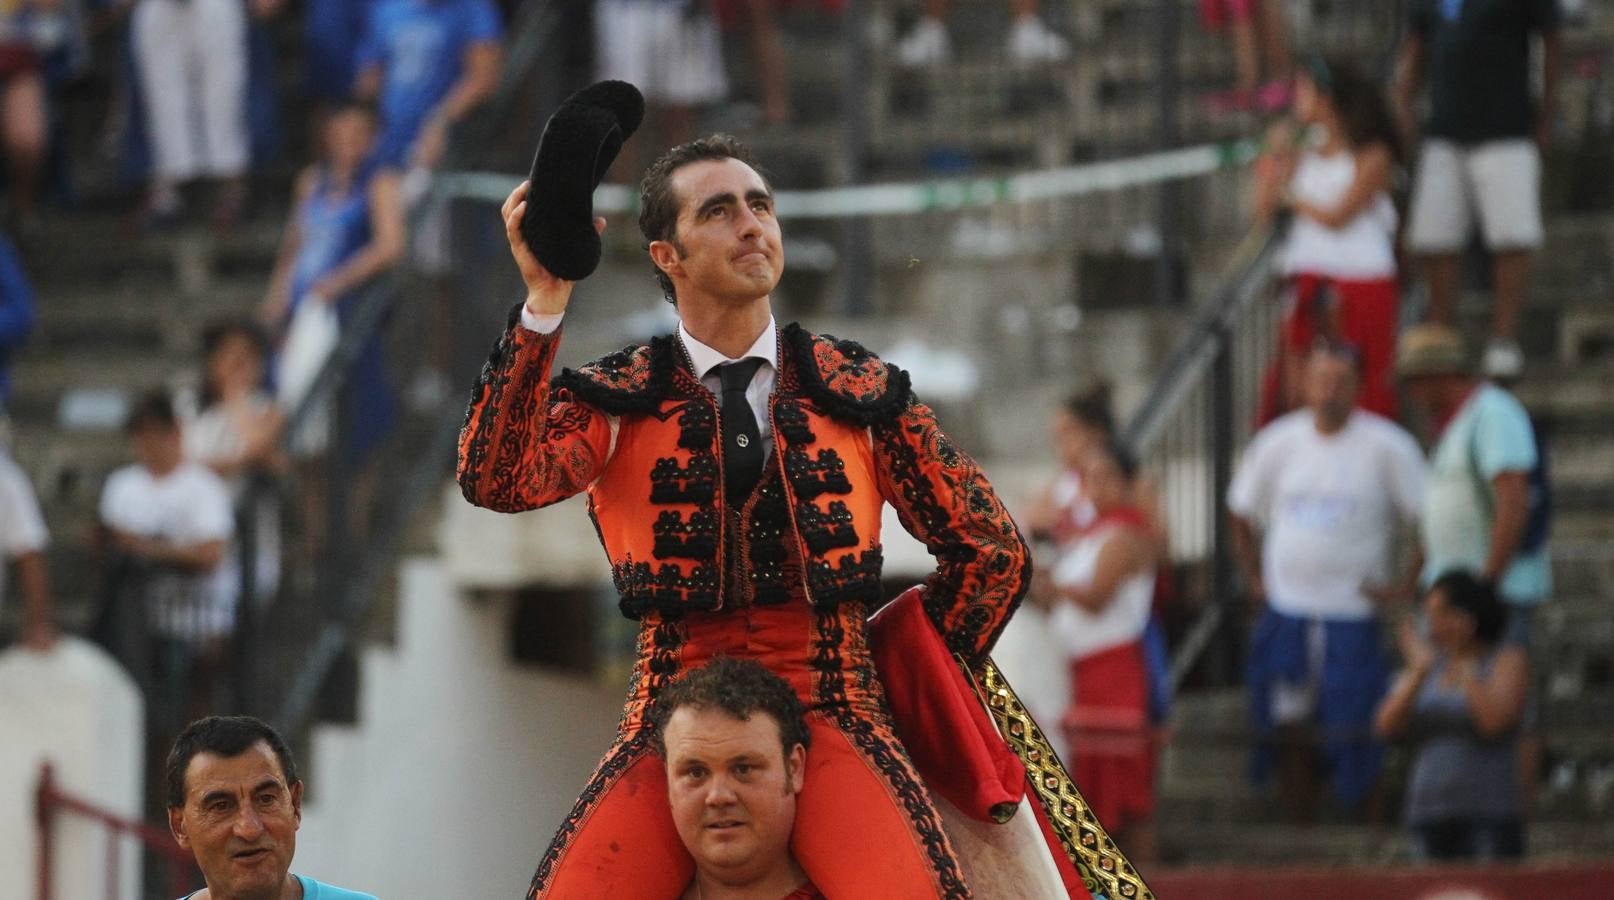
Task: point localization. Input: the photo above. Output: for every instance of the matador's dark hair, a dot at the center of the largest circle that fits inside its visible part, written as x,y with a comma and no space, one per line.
738,687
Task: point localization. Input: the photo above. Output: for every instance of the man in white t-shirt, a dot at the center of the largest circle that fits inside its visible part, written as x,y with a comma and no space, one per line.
1326,487
22,549
172,520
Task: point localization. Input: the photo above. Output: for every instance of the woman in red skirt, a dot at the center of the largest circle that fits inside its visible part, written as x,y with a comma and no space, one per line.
1104,588
1340,261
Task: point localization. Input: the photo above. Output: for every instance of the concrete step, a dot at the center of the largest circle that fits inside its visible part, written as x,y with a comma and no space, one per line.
1279,845
94,252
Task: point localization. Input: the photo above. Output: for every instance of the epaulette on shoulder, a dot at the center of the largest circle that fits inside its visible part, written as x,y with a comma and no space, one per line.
634,379
845,379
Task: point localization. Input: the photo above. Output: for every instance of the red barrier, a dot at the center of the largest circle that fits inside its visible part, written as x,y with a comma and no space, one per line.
1586,881
51,801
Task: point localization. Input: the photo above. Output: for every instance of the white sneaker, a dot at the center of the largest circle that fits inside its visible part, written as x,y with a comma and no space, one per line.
1030,41
1503,359
926,45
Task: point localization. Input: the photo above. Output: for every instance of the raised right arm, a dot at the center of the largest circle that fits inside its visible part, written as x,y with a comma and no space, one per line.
524,445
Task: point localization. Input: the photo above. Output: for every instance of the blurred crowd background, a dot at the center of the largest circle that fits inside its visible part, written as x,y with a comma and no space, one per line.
1265,316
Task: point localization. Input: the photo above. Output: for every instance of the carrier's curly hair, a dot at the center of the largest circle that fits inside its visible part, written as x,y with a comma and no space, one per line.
738,687
658,202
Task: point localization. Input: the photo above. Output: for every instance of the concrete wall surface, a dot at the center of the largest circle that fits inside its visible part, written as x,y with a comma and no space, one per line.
77,709
461,765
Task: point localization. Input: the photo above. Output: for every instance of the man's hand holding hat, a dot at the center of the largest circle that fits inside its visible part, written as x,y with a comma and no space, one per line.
549,221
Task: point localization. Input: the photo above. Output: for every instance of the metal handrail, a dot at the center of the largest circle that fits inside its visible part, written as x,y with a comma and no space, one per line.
1190,360
51,800
1202,358
355,587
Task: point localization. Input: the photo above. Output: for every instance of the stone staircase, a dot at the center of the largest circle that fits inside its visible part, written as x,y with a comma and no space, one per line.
119,314
1208,811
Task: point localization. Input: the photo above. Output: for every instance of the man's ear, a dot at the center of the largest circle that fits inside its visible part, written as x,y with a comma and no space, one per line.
176,825
665,256
297,801
795,768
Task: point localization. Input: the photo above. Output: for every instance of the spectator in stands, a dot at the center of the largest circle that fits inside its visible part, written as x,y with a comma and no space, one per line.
170,520
734,739
192,60
22,550
1340,257
1084,423
235,802
428,64
346,228
332,30
29,30
1485,508
1326,487
1059,517
1480,510
1103,596
1461,700
1260,53
234,427
673,51
1482,149
1030,39
1026,651
16,314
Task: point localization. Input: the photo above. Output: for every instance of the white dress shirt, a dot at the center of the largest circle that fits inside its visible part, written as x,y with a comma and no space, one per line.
705,361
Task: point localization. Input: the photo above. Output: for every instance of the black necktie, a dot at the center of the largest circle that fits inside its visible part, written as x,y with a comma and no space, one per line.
742,441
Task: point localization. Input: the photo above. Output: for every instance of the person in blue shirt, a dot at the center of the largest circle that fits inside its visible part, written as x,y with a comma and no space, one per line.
235,802
16,314
426,63
347,227
331,33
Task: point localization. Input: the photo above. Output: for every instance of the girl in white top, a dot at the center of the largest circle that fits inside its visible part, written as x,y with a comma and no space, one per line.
234,428
1340,257
1104,589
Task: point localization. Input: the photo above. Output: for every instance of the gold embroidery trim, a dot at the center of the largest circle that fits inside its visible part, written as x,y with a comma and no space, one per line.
1103,868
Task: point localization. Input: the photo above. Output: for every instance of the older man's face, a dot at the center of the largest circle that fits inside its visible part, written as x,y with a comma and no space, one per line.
240,819
733,791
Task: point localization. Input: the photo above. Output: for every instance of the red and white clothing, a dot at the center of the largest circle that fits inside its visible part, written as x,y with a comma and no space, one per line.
1353,266
1362,249
1107,725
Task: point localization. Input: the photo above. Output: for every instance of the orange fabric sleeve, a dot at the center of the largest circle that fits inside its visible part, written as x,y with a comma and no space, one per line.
943,498
523,445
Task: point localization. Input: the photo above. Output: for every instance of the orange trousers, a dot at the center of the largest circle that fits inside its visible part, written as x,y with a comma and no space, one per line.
865,825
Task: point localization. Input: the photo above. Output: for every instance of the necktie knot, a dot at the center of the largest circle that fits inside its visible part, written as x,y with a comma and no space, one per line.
736,376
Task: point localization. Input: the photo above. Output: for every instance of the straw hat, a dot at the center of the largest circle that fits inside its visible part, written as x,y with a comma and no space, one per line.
1431,350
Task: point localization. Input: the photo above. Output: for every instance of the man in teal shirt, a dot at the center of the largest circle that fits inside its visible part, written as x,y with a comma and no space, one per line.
235,802
1477,494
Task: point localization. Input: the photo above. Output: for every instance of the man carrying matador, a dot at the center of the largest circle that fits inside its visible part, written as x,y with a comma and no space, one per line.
735,471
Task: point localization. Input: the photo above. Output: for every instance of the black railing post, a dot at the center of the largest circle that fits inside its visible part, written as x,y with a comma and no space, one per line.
1223,648
245,639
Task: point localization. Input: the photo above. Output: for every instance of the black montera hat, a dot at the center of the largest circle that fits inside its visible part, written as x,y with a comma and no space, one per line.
579,143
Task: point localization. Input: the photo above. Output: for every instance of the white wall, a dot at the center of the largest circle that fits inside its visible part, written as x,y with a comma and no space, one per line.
461,765
75,707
